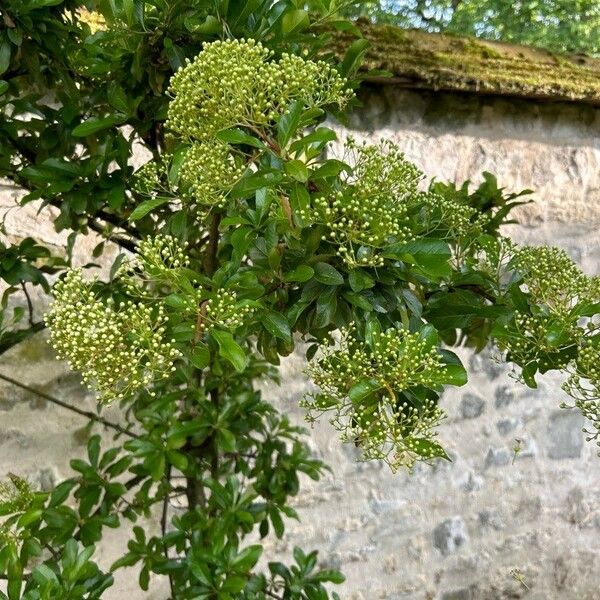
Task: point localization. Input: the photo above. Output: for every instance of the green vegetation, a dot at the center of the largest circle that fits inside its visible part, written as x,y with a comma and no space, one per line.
567,26
240,240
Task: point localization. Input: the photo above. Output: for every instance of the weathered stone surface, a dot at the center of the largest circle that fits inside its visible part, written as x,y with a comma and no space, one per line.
565,438
471,406
497,457
504,396
505,426
450,535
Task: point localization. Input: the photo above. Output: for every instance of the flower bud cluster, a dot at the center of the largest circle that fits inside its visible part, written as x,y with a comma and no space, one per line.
529,341
237,83
371,211
455,218
16,495
553,279
149,177
361,384
208,172
223,310
118,349
583,385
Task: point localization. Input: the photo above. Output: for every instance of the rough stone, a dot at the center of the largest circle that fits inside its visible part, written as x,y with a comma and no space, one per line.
450,535
504,395
462,594
486,363
497,457
505,426
564,437
472,483
471,406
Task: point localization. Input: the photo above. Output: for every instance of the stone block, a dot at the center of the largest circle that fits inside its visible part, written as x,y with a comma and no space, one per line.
564,437
450,535
471,406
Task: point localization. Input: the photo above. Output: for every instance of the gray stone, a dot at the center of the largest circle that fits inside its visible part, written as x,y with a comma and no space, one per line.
450,535
491,519
485,362
47,479
505,426
565,438
528,448
471,406
472,483
462,594
497,457
14,435
504,395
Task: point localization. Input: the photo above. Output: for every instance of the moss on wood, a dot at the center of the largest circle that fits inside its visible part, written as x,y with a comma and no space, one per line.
447,62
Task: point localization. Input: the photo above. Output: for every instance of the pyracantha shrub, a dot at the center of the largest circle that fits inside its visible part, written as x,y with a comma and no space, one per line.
241,237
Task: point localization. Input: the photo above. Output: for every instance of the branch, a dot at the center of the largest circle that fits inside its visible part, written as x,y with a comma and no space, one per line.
84,413
29,303
117,239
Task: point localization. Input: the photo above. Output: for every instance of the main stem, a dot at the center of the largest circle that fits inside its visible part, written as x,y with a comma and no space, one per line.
195,489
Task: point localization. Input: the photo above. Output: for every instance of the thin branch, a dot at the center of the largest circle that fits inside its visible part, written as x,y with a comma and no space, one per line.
117,239
84,413
29,303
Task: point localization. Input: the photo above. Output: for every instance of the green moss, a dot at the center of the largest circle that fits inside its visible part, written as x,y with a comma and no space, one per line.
438,61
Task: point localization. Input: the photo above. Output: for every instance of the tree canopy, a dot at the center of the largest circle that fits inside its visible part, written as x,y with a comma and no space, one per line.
559,25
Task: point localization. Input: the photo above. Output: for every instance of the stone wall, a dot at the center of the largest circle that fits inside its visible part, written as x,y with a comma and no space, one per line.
491,524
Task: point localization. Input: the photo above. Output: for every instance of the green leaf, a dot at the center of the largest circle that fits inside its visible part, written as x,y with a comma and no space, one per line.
247,558
93,448
327,274
297,170
288,123
430,255
141,210
237,136
230,350
300,274
94,125
200,356
360,280
43,574
118,98
354,56
294,21
426,448
363,389
29,517
3,86
453,372
276,324
226,440
459,309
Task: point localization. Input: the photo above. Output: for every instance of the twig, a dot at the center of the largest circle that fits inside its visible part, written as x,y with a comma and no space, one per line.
29,303
84,413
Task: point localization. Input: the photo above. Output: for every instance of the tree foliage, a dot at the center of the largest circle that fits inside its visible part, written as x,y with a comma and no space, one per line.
243,235
560,25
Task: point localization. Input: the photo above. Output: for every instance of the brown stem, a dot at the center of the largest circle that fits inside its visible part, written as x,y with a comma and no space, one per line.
84,413
29,303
